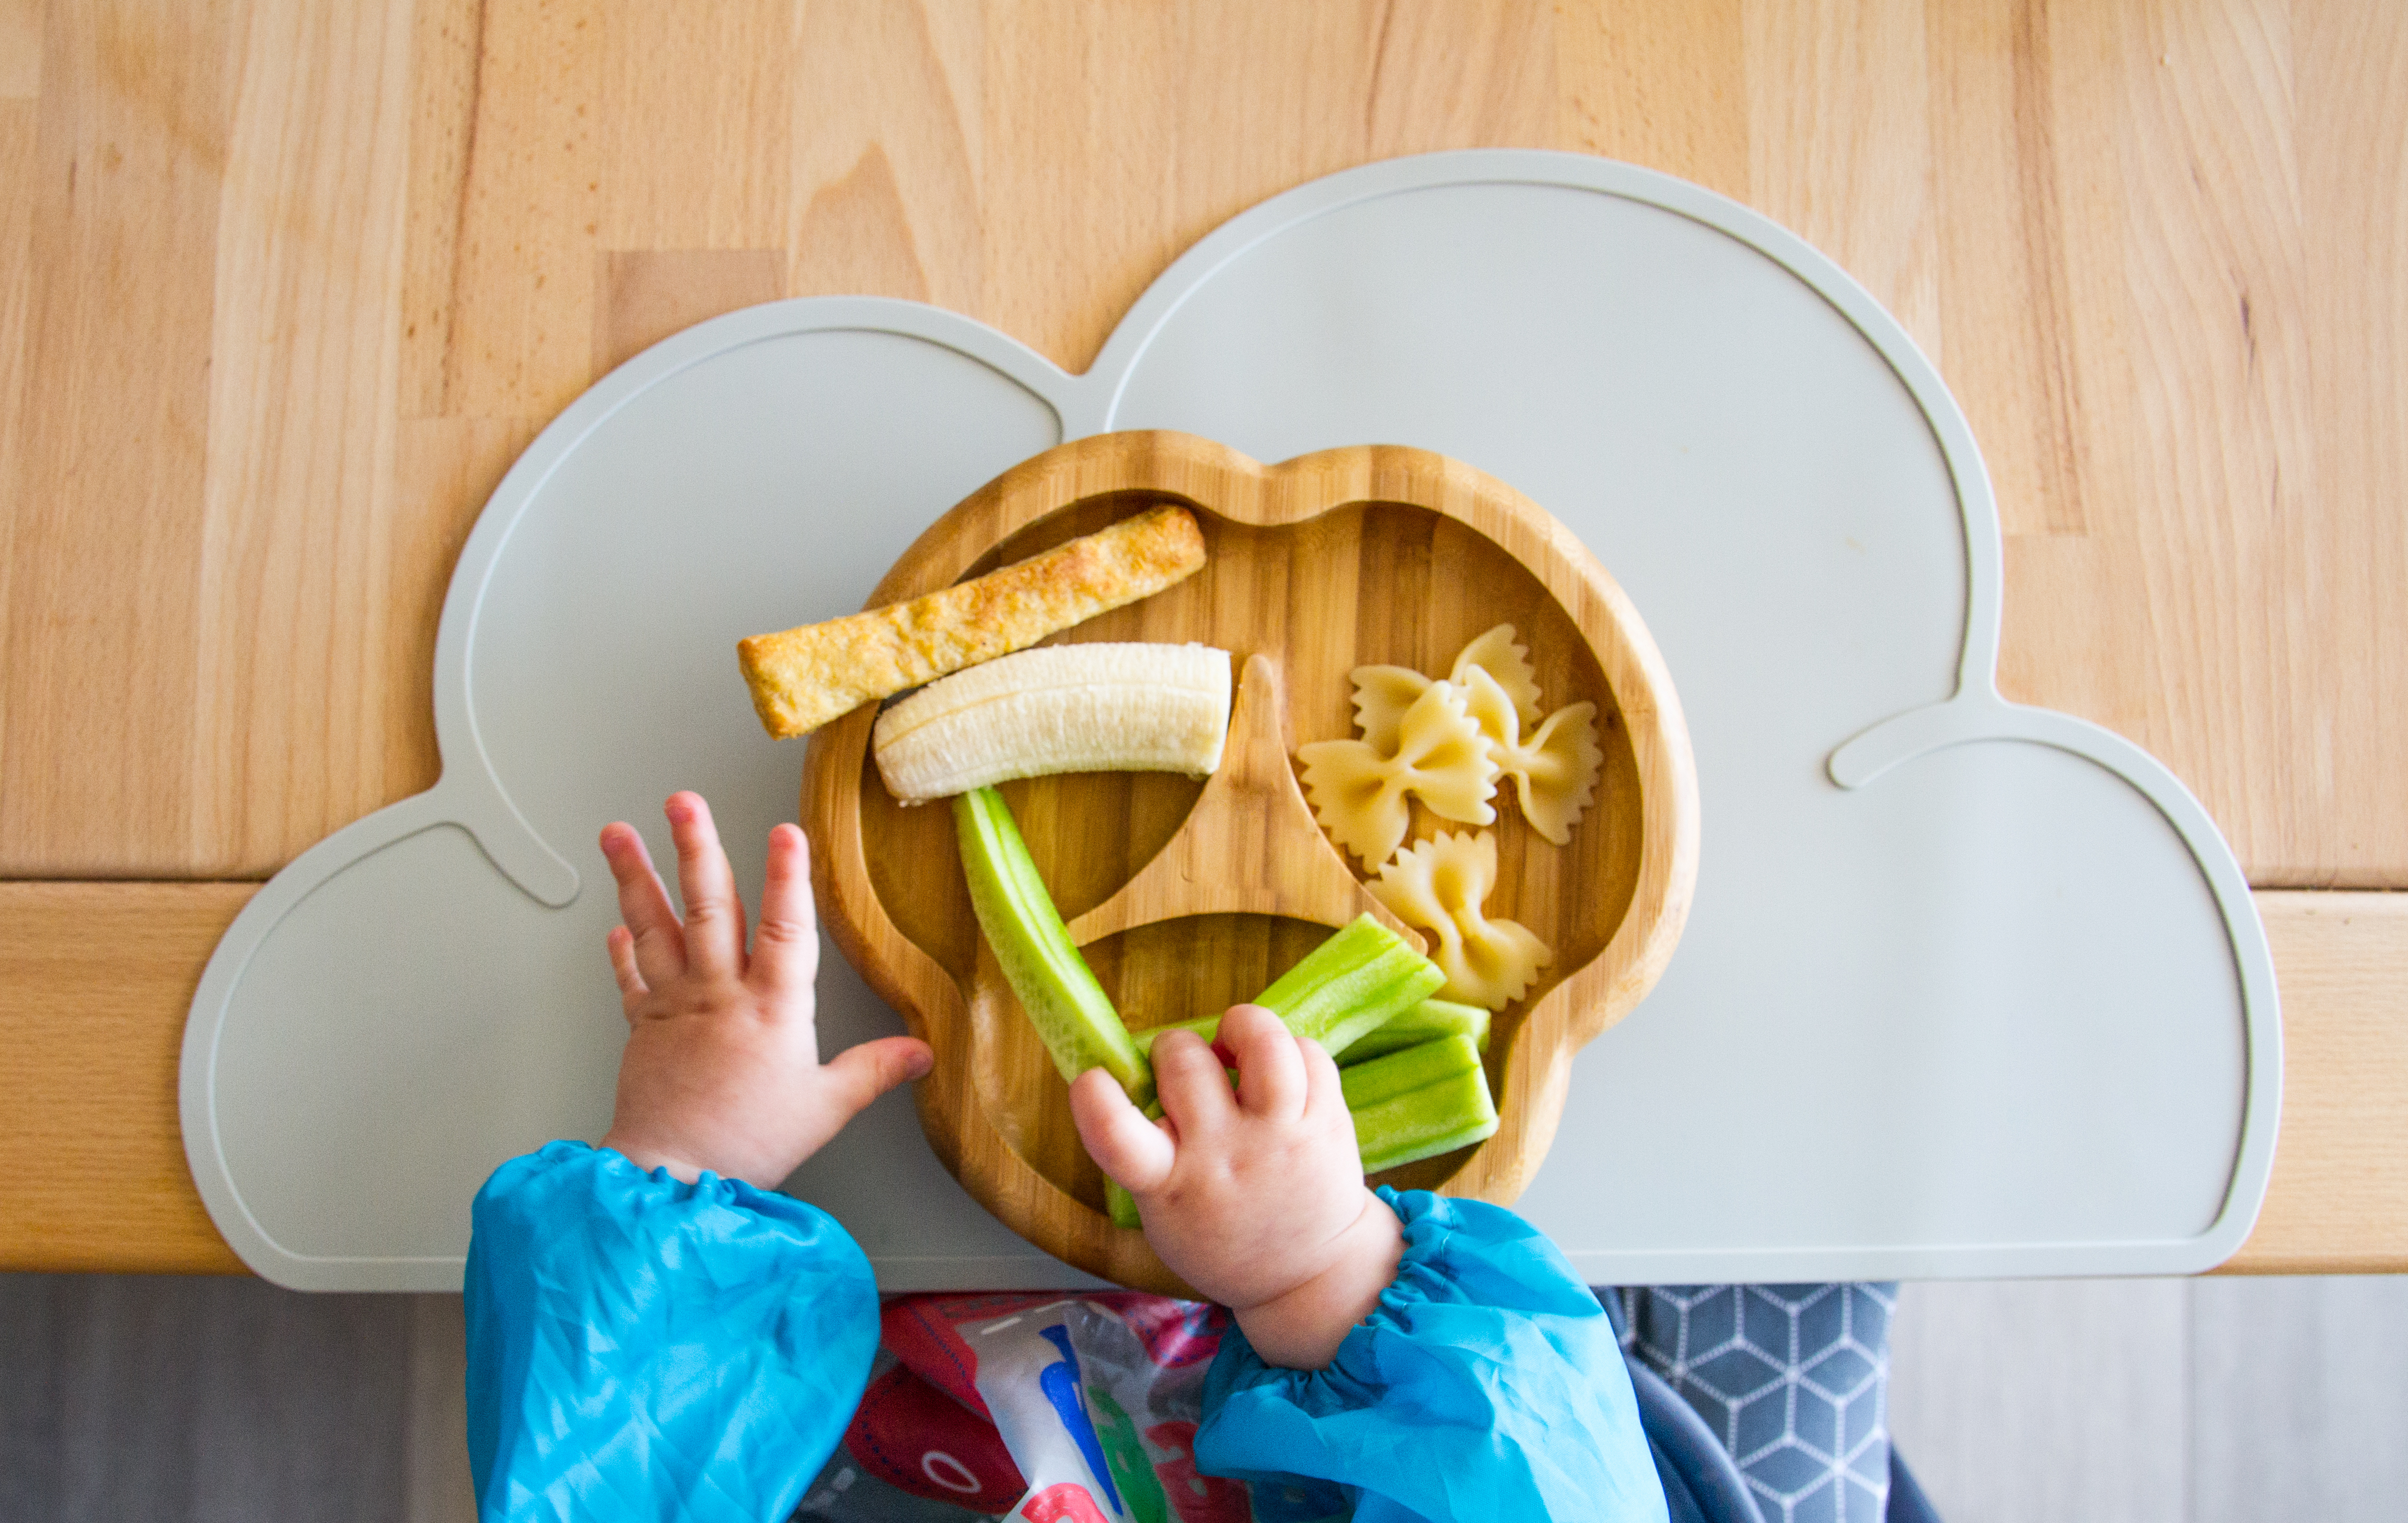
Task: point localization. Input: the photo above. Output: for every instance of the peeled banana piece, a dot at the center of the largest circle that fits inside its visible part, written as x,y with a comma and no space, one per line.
1100,708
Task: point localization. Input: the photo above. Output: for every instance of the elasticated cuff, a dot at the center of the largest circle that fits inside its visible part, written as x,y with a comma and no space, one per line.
1485,1384
641,1347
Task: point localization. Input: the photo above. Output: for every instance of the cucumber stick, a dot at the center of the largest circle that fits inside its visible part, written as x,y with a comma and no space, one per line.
1351,984
1419,1102
1069,1009
1416,1103
1122,1206
1344,990
1424,1022
1206,1027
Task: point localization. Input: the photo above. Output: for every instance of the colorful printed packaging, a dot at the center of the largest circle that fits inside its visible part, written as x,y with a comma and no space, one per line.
1044,1409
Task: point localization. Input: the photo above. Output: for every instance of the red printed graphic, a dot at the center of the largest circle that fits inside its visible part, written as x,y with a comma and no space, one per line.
923,1331
1174,1333
1197,1498
916,1438
1064,1501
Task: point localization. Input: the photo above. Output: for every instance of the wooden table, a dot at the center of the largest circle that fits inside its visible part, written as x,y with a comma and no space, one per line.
285,286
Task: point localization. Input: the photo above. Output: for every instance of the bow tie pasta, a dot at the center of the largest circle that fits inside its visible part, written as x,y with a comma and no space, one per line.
1439,887
1438,753
1358,786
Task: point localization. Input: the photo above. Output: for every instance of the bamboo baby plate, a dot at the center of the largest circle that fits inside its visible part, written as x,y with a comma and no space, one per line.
1188,896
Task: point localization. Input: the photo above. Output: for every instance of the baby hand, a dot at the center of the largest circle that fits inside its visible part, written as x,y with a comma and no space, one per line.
1254,1198
722,1070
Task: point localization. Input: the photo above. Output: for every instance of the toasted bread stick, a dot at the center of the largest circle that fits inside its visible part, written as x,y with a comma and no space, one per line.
801,679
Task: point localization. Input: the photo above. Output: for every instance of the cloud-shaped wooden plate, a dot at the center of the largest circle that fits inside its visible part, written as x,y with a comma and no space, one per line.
1189,895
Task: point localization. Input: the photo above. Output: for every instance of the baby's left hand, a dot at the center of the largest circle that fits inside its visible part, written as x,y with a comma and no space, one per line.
722,1070
1254,1198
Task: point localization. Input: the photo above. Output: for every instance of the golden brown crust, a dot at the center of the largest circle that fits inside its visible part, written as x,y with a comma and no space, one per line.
801,679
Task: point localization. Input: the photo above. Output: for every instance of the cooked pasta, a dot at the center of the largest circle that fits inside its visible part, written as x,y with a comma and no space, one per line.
1439,755
1554,771
1439,886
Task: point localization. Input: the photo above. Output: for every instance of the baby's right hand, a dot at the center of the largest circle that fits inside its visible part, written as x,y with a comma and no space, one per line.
1254,1198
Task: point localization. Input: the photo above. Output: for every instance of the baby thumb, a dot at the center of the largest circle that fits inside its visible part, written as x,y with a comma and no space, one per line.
860,1075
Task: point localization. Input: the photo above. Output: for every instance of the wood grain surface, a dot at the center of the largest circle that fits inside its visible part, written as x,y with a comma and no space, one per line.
2338,1201
1369,554
94,980
284,287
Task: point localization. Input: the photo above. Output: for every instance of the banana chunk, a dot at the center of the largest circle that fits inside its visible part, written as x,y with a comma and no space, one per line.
1100,708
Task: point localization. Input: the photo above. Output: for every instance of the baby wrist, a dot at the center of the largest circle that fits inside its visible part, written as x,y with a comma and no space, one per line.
1302,1326
648,1158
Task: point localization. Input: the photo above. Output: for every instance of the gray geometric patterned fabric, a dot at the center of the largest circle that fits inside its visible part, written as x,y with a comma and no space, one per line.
1793,1378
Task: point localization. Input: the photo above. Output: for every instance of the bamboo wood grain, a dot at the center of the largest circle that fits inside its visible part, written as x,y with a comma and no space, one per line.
1318,564
1250,846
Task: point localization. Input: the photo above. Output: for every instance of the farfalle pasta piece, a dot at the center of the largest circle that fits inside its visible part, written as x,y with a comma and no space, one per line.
1359,789
1554,771
1507,660
1382,696
1383,693
1439,887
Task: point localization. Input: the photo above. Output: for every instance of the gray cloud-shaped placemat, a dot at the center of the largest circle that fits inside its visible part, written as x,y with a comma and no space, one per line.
1970,988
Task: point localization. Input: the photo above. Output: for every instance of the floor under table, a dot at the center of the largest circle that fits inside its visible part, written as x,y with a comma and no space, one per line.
2207,1400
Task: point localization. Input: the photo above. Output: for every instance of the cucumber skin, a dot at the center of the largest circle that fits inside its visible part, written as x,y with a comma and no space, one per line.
1360,940
1382,1080
1365,953
1351,984
1424,1022
1425,1100
1054,985
1122,1207
1381,1163
1206,1027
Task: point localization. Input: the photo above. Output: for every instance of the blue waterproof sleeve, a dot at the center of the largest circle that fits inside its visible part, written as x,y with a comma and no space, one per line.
1488,1384
640,1348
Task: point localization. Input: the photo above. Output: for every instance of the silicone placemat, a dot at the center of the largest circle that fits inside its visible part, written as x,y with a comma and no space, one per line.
1970,988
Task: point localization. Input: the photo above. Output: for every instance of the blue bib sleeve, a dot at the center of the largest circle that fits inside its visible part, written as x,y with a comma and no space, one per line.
1488,1384
640,1348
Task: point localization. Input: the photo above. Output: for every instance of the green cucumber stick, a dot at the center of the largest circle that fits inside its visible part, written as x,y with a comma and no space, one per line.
1122,1206
1455,1113
1384,1080
1344,988
1069,1009
1206,1027
1424,1022
1351,984
1419,1102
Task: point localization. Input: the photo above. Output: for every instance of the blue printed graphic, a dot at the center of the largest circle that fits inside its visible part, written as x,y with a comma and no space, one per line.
1059,1381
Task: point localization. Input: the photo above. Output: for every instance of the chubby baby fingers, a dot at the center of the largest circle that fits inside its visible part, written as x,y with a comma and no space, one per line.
786,944
1136,1153
659,940
1270,1061
1193,1085
620,943
714,917
861,1074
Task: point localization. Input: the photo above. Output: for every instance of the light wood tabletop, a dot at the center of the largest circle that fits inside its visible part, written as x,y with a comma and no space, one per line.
285,286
